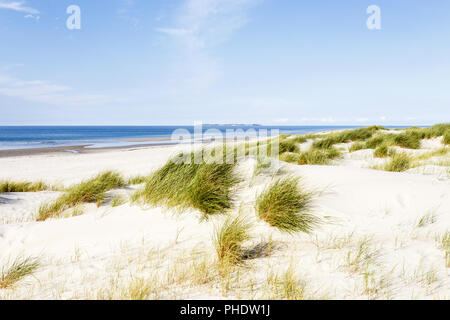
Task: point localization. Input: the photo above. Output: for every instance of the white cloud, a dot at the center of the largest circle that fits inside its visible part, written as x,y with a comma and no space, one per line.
174,31
328,119
45,92
30,16
17,6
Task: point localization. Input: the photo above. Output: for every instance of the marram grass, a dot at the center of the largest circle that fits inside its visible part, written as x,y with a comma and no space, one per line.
92,190
381,152
398,163
206,187
446,137
317,156
19,269
229,239
285,206
23,186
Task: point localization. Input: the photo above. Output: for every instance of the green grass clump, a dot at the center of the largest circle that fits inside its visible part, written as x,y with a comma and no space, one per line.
435,131
359,134
92,190
446,138
290,157
284,205
19,269
378,140
299,139
229,239
381,152
136,180
357,146
206,187
399,162
11,186
318,156
288,145
408,139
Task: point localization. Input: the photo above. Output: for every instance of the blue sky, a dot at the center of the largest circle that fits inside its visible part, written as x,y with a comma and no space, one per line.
140,62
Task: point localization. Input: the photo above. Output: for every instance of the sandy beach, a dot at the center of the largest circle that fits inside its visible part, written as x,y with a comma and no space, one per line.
397,219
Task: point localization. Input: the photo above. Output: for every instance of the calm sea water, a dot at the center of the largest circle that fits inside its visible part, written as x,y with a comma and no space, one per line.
24,137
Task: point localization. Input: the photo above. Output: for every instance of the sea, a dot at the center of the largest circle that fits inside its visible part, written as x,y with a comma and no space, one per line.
26,137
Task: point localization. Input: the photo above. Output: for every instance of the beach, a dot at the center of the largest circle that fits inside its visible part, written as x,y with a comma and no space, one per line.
380,232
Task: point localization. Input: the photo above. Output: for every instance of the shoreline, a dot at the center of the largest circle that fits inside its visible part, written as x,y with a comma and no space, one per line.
77,149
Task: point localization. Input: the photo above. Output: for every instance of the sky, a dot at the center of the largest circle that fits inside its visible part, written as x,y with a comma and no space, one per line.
273,62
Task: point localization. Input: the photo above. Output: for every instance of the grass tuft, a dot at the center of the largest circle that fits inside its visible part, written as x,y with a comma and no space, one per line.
206,187
408,139
285,206
13,186
290,157
229,239
136,180
18,270
289,145
446,138
381,152
286,286
399,162
92,190
315,156
359,134
357,146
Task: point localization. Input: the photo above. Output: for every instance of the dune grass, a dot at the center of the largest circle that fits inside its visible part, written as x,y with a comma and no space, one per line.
359,134
317,156
381,152
398,163
300,138
409,139
285,206
288,145
229,239
436,153
377,141
446,138
19,269
285,286
7,186
206,187
357,146
290,157
92,190
136,180
434,131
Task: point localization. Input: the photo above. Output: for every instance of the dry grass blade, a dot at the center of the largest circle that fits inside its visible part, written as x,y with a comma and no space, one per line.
19,269
229,239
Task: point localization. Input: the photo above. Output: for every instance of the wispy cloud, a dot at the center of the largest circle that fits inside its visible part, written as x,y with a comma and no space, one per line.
199,25
45,92
30,16
17,6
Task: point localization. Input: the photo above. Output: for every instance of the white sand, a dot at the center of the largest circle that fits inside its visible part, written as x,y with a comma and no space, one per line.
103,251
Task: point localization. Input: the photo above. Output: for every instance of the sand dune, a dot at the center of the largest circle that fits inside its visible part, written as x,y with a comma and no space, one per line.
108,250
